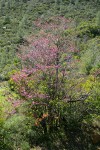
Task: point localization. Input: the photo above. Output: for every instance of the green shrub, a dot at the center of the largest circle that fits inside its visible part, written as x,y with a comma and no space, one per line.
15,131
91,56
7,20
84,29
98,19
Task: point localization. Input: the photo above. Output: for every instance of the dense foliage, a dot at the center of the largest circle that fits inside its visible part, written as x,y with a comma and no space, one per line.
49,74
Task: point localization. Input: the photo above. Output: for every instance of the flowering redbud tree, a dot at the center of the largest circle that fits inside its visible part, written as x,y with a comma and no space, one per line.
47,64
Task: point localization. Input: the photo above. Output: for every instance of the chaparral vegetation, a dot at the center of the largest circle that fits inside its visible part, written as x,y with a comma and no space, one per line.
49,75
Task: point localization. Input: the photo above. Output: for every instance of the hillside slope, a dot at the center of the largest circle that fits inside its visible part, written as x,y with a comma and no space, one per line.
49,74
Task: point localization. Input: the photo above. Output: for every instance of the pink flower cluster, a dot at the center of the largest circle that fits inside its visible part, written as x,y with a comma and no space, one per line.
19,76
